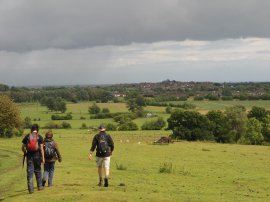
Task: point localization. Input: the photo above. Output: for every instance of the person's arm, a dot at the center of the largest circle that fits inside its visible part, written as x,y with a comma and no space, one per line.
59,157
23,148
94,144
111,143
42,153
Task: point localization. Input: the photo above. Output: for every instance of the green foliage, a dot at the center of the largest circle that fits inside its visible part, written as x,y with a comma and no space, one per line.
105,110
253,133
260,113
123,118
84,126
111,127
120,166
61,117
266,128
53,125
54,104
156,124
66,125
9,116
27,122
166,168
94,109
190,125
101,116
168,109
220,126
128,126
237,118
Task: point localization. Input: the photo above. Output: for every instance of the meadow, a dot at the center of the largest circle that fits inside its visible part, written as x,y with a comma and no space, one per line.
194,171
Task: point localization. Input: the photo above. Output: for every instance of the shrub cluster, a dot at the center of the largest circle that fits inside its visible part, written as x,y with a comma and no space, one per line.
61,117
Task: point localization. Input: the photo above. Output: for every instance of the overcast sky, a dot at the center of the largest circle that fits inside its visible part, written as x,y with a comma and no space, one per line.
125,41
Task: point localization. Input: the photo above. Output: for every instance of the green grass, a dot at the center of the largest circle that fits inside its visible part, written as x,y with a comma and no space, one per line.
200,171
197,171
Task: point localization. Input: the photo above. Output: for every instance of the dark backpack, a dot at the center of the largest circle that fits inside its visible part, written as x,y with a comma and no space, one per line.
32,143
49,150
103,145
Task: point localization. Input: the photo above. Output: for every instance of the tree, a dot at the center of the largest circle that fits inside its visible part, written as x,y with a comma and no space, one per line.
9,115
258,112
60,105
94,109
220,125
237,118
253,133
266,128
190,125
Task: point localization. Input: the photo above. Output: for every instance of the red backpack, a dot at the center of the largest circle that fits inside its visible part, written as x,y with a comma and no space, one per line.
32,144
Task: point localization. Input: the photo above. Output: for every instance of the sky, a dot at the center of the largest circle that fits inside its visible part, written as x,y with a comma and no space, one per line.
82,42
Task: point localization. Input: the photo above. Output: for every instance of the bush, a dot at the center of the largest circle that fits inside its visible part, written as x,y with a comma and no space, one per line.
120,166
84,126
66,125
8,133
128,126
123,118
166,168
27,122
105,110
111,127
101,116
52,125
64,117
157,124
168,109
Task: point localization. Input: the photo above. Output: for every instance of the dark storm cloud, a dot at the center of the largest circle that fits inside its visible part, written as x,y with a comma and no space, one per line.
67,24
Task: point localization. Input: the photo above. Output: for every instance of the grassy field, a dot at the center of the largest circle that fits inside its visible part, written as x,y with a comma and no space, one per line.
200,171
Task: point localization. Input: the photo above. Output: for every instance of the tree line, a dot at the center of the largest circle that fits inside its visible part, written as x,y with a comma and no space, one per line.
154,92
234,125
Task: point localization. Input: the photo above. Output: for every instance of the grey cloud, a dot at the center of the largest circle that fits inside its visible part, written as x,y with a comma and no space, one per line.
67,24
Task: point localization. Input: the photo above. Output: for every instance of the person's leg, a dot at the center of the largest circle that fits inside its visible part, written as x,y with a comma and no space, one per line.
99,161
30,173
107,170
38,173
51,172
45,174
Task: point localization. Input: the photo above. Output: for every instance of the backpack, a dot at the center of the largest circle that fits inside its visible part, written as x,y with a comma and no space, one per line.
32,144
49,150
103,144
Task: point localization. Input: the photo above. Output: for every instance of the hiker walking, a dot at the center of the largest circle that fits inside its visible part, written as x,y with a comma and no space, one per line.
104,146
51,153
33,147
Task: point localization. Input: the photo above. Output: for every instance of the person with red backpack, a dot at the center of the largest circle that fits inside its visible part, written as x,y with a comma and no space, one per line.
33,147
104,146
51,153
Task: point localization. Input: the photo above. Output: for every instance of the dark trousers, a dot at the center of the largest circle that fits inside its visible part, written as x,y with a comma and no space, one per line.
48,172
34,166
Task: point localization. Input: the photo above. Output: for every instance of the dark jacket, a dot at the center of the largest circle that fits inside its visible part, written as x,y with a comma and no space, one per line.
95,145
57,155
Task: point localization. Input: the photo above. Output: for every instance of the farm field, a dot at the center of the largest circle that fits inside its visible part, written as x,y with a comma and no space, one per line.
200,171
80,110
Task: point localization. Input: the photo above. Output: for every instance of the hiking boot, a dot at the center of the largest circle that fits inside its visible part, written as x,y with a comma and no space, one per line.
43,182
106,184
40,188
100,182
